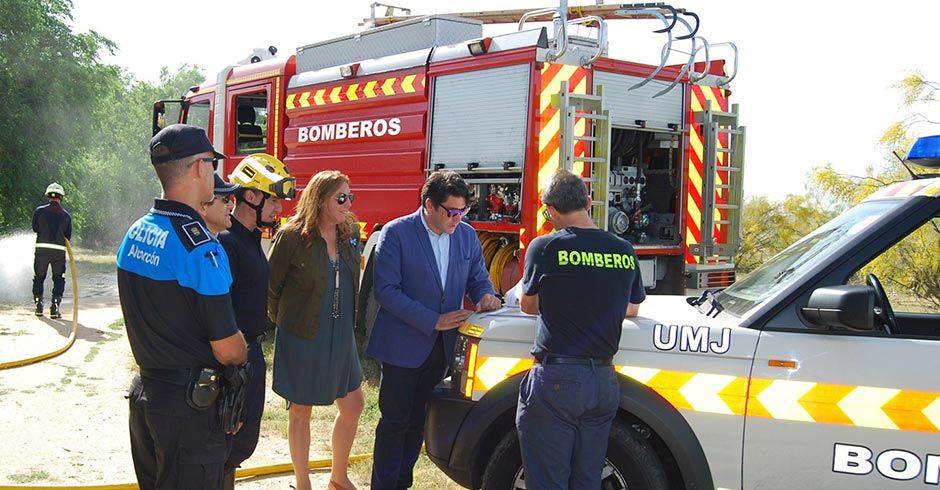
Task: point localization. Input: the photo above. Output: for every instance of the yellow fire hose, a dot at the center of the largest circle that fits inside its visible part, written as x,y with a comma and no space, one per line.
71,339
275,469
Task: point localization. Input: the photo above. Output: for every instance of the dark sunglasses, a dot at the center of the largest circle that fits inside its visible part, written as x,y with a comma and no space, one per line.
454,212
342,198
214,161
226,198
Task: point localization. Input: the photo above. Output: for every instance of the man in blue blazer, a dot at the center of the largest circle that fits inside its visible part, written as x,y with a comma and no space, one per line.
426,263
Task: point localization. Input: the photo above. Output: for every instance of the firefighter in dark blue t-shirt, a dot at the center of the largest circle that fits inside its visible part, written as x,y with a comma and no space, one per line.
582,282
53,225
264,182
173,281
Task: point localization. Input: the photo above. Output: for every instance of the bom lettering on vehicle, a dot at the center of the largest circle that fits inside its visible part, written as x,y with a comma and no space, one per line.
895,464
690,339
370,128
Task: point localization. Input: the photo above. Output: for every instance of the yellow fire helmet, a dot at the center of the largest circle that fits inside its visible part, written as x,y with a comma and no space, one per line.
265,173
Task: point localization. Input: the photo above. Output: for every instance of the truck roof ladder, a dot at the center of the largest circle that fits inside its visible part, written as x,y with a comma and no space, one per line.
512,16
597,123
722,181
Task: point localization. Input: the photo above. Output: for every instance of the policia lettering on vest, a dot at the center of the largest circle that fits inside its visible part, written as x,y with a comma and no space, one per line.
173,282
582,282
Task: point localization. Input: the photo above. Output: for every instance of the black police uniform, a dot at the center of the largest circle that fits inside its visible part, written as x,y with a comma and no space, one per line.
250,271
173,281
585,279
52,224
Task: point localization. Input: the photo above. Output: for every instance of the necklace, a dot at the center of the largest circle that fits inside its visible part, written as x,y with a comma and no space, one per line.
335,265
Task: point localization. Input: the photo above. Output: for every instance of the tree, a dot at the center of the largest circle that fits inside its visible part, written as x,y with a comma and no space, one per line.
119,181
904,268
50,80
770,226
72,119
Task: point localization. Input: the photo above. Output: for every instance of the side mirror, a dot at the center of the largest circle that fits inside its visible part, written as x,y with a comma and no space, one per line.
159,117
167,112
849,307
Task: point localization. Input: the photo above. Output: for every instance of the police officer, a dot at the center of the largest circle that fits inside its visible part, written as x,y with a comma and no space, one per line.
217,212
53,225
264,183
581,281
173,282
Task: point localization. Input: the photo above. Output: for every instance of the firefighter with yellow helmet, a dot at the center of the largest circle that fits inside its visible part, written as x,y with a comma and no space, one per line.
53,225
265,182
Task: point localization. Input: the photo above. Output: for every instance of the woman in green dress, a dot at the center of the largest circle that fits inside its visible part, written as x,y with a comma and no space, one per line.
311,298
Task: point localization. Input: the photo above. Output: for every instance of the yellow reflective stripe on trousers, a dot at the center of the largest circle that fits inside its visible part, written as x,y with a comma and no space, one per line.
51,245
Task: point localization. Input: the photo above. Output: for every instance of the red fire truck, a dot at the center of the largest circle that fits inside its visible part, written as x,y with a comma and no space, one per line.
659,146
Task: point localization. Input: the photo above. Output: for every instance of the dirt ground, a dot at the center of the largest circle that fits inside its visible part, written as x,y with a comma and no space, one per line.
64,420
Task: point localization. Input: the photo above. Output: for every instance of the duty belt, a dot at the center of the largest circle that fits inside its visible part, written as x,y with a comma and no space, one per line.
179,377
583,361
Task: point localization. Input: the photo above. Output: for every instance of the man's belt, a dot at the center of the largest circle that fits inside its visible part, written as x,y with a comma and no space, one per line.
53,246
582,361
179,377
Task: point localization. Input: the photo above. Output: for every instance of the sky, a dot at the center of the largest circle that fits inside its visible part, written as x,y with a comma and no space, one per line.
814,85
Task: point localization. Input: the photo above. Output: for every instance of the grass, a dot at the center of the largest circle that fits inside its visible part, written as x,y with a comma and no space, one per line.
89,261
12,333
32,476
426,475
112,332
70,374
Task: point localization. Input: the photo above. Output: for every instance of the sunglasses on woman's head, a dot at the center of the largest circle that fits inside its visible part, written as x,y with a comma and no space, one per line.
342,198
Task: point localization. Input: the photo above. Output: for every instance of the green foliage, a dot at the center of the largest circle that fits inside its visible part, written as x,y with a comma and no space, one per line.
119,181
72,119
49,81
770,226
910,268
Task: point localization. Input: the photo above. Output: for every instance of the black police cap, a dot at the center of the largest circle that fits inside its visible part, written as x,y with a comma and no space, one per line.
178,141
224,188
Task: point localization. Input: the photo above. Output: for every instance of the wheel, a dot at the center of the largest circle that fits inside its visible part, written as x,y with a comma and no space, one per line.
631,463
883,310
369,314
368,309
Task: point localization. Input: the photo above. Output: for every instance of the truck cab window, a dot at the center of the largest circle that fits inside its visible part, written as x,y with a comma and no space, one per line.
251,123
909,272
198,115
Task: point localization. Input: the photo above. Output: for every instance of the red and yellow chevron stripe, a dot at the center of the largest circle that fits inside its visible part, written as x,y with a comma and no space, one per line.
366,229
693,218
798,401
550,126
337,94
927,187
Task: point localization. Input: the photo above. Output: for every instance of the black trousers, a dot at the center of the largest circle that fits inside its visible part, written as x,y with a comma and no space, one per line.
403,396
245,440
41,262
173,445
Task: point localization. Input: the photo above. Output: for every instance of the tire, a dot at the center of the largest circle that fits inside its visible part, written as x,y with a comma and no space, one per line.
369,314
631,463
368,309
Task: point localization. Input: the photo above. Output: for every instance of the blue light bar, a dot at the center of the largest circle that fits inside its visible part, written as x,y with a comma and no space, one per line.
925,152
